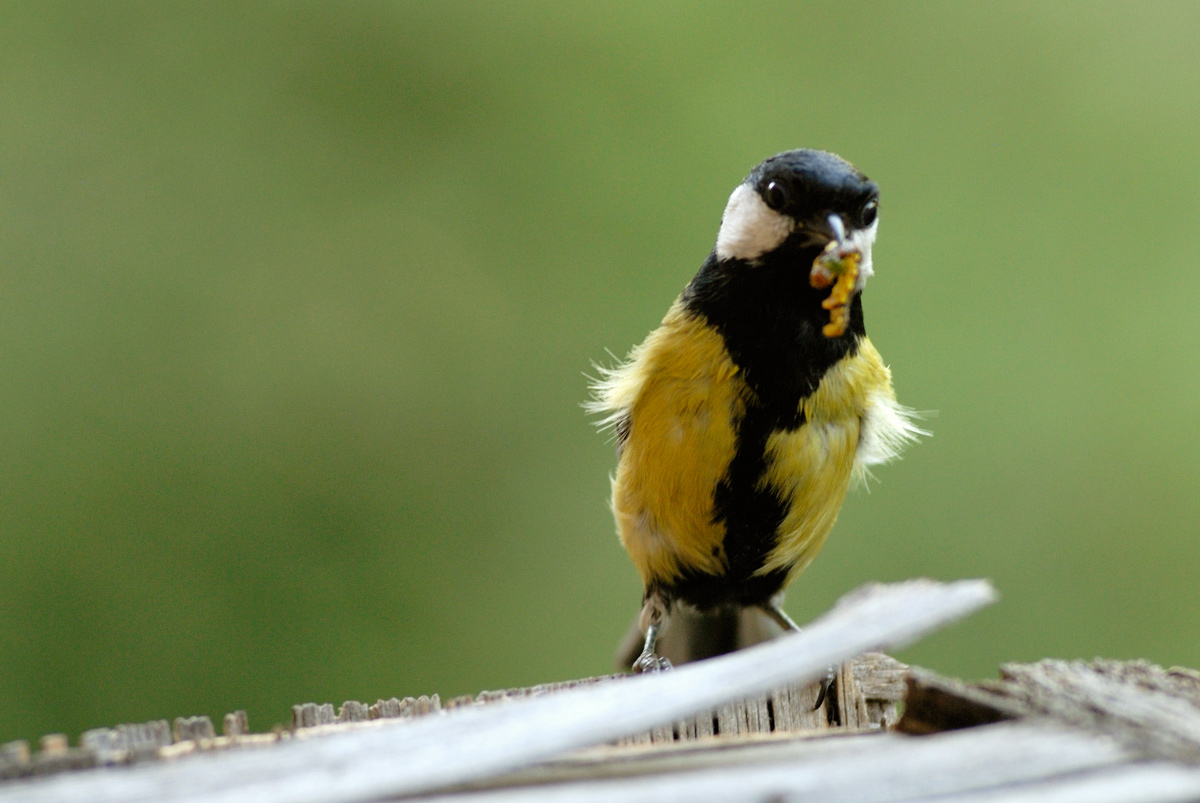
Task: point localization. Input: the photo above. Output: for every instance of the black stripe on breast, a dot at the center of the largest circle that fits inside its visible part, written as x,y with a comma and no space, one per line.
770,319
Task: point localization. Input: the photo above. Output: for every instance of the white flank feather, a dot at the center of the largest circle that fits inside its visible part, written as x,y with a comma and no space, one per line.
613,390
887,428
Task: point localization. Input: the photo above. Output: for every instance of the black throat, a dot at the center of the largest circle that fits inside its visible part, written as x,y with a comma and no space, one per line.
770,318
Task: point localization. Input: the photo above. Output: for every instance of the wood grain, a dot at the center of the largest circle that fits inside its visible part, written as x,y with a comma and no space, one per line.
470,743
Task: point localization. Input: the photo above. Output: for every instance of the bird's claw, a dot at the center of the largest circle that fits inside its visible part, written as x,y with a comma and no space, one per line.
649,662
827,685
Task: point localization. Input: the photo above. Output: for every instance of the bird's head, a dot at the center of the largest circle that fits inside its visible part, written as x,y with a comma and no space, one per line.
793,205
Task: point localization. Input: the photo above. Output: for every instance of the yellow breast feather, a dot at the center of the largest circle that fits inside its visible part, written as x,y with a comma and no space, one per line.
812,467
678,395
888,427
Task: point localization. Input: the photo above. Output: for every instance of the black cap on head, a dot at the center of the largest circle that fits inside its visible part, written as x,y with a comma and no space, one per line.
808,185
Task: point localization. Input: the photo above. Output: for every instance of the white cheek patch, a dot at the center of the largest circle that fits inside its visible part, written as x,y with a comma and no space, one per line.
863,240
750,228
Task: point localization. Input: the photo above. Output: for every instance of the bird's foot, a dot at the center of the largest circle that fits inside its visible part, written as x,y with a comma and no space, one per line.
653,613
649,662
827,686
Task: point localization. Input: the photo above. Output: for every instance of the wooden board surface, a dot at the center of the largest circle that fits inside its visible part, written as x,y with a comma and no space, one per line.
1154,712
1051,732
875,767
473,743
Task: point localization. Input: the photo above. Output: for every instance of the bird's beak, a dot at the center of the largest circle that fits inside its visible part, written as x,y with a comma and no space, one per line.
837,228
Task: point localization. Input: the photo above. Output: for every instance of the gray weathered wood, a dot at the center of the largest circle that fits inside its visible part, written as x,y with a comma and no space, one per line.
310,715
880,676
404,709
935,703
53,744
126,743
237,723
851,706
1151,710
192,729
353,711
477,742
14,759
794,708
866,769
1140,706
1157,782
54,755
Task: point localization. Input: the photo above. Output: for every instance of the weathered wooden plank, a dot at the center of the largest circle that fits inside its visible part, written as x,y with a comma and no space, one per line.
54,755
237,723
1140,704
404,709
476,742
310,715
126,743
353,711
15,759
607,762
790,709
731,719
866,769
1153,782
793,707
795,710
190,729
851,706
1156,782
1151,710
880,676
935,704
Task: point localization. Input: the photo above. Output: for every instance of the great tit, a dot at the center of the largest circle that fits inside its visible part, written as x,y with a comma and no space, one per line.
741,421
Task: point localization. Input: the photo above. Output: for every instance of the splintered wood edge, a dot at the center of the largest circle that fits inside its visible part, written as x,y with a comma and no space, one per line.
485,741
934,703
1137,703
1018,757
1151,711
868,690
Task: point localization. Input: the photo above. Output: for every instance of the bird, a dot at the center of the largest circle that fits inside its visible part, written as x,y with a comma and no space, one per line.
743,419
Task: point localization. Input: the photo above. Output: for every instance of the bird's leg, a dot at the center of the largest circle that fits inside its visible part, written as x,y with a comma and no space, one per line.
774,609
653,613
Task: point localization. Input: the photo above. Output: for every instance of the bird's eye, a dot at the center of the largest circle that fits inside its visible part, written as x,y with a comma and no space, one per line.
869,212
776,195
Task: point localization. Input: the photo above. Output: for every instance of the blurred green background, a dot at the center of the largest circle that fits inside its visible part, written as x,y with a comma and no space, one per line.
296,302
